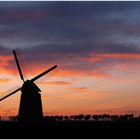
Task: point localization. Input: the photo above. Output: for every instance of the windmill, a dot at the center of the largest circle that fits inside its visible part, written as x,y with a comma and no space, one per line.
30,108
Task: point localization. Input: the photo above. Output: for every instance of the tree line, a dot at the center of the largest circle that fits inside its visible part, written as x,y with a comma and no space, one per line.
101,117
87,117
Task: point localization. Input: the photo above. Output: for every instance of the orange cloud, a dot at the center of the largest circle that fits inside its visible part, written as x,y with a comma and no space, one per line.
4,80
5,60
97,72
59,83
124,56
80,89
101,71
2,92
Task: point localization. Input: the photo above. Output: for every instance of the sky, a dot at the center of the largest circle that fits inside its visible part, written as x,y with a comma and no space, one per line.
96,45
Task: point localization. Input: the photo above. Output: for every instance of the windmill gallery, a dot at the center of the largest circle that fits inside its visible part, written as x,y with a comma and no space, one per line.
30,108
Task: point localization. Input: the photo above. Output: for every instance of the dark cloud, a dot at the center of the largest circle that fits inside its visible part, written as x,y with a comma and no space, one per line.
70,26
4,51
68,32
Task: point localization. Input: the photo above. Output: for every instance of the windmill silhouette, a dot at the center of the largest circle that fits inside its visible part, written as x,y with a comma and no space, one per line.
30,108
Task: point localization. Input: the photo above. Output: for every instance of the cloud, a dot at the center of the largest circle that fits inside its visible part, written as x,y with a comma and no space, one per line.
89,46
4,80
53,83
90,64
93,29
2,93
80,89
14,15
100,57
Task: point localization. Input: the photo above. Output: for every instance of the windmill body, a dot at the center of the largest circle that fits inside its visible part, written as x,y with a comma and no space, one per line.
30,108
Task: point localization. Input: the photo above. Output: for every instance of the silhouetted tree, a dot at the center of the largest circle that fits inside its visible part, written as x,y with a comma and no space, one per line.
49,118
75,117
71,117
138,118
66,117
46,117
56,117
16,118
80,117
12,118
60,117
100,117
114,117
52,118
105,117
123,117
87,117
127,116
95,117
131,116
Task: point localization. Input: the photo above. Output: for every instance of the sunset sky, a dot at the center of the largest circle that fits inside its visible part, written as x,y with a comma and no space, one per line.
95,44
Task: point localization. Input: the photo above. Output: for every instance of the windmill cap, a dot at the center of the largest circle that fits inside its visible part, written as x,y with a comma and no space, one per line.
29,86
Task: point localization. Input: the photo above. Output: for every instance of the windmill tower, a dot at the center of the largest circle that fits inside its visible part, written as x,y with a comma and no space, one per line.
30,108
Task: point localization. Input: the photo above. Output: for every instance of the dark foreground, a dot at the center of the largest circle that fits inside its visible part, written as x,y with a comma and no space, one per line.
71,129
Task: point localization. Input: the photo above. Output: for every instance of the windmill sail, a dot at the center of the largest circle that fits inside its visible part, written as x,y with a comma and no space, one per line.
10,94
43,73
18,66
32,80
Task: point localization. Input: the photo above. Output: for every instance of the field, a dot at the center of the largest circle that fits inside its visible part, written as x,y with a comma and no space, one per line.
71,129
